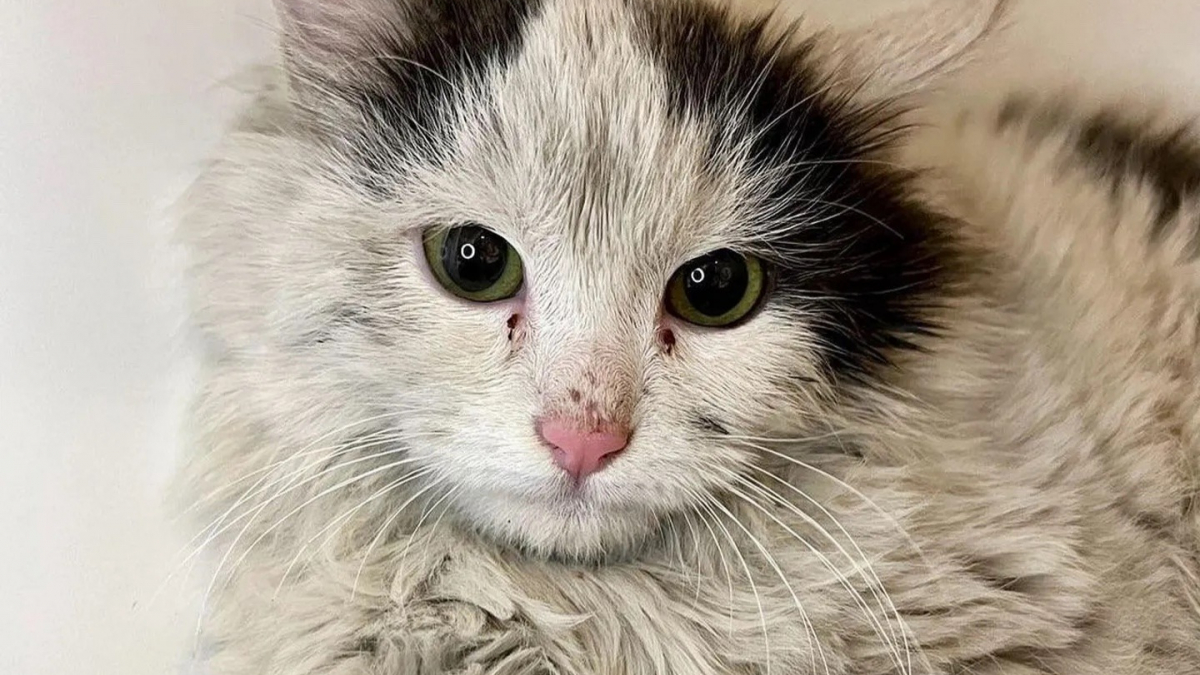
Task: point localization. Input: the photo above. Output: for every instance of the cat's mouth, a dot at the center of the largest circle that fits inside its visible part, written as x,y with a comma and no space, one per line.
576,492
578,520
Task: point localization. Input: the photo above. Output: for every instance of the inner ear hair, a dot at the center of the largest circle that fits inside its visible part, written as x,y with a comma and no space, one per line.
904,52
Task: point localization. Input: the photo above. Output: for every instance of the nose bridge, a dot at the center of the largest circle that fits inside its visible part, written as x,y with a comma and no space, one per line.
590,361
591,330
592,378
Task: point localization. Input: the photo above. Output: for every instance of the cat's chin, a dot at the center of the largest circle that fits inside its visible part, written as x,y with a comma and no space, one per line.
567,526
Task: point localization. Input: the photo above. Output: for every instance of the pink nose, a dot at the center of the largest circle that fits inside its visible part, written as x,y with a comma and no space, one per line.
581,453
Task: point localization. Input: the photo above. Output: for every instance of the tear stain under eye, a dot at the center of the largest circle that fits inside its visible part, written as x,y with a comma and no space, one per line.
666,337
517,336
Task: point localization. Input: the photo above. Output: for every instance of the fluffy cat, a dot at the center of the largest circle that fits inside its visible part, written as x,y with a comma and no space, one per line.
652,336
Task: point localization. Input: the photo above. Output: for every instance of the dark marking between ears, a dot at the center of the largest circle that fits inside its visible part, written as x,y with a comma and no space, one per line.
867,272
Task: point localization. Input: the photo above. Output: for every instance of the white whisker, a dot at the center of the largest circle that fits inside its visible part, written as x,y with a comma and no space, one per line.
214,529
852,490
383,529
708,502
687,517
904,632
876,624
698,500
346,515
233,546
814,643
252,513
873,583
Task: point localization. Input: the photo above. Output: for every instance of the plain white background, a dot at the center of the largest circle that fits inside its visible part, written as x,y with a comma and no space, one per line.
106,106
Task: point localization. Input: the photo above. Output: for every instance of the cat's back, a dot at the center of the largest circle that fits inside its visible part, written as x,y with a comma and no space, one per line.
1090,217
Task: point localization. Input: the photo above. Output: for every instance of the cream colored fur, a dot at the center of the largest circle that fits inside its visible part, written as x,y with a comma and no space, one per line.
1027,498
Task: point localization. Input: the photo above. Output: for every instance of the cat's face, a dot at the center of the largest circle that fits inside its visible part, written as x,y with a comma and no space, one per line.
562,165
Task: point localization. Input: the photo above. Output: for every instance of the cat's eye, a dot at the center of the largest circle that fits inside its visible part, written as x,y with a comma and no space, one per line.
718,289
474,263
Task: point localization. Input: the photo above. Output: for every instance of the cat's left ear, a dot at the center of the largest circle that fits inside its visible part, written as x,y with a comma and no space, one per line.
338,41
906,52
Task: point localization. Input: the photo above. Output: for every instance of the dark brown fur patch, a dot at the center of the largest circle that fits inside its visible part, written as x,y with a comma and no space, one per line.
1122,150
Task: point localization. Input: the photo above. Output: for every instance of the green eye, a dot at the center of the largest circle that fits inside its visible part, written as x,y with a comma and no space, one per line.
718,289
474,263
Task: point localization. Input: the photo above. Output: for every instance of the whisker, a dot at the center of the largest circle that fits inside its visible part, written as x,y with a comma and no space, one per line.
678,545
708,501
687,517
383,531
814,643
350,481
266,483
375,438
233,546
437,521
697,500
909,648
218,526
874,581
346,515
257,489
222,524
767,439
302,452
253,512
876,624
852,490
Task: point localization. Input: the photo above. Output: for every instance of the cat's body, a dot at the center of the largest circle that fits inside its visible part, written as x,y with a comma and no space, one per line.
990,465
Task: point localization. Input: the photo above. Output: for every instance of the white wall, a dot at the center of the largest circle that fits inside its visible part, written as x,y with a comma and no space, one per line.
105,105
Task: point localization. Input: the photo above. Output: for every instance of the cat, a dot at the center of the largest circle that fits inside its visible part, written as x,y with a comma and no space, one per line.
672,336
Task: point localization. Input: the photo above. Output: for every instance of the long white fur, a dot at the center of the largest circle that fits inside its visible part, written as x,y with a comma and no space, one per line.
1026,501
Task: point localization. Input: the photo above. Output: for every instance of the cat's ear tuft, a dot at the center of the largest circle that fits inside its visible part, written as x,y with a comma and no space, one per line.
906,52
337,39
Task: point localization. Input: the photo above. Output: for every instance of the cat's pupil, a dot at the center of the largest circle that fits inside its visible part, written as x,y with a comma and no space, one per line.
717,282
474,258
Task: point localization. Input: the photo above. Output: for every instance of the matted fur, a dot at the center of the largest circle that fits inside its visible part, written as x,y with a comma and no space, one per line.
1000,478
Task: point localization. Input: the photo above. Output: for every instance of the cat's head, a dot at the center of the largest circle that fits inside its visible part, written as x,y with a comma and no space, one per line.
571,256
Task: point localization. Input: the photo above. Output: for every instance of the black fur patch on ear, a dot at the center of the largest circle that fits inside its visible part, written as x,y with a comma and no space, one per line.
857,258
409,94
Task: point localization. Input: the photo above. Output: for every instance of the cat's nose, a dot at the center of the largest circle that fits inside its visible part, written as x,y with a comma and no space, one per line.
581,452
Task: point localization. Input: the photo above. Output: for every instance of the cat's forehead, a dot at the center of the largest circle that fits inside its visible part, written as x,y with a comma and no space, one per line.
580,141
